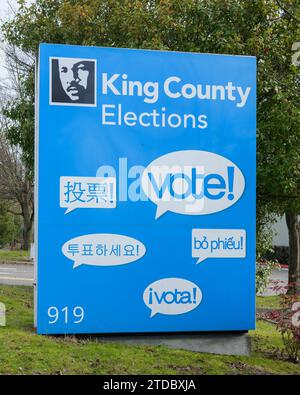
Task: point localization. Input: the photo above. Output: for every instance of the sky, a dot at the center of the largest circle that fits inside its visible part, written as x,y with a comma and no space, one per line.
4,6
5,11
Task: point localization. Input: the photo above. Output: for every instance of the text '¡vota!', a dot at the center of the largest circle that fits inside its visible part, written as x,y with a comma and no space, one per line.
175,88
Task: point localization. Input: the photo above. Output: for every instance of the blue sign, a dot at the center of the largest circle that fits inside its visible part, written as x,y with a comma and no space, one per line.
145,191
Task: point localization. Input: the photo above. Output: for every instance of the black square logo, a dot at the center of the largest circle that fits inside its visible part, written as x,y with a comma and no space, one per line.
73,82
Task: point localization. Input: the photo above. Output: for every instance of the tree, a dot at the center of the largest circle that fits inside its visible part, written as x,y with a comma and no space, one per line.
15,186
17,104
294,248
263,28
9,226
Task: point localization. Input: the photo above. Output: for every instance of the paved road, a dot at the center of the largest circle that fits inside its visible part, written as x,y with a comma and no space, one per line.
16,274
280,276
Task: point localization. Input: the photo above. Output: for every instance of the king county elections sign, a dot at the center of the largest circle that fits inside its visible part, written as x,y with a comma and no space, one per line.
145,191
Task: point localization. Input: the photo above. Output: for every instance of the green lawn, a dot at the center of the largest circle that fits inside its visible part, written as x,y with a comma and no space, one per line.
19,255
24,352
270,302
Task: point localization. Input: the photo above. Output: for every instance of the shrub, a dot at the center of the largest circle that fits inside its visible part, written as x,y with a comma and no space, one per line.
278,253
288,324
263,271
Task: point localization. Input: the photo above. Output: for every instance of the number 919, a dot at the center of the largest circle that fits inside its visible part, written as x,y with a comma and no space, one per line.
76,315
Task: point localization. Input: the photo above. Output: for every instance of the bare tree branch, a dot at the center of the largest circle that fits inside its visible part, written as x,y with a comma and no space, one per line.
287,11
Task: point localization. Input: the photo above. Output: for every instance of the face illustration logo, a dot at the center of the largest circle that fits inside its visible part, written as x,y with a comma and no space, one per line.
73,82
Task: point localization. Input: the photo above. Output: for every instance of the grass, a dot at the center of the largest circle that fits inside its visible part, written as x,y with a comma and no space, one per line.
269,302
24,352
18,255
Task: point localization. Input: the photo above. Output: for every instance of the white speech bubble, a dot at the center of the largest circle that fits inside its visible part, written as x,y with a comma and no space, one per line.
172,296
103,249
87,192
218,243
192,183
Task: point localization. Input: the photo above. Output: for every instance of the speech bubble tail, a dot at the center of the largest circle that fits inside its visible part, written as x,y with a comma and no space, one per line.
153,313
201,259
76,264
160,211
69,209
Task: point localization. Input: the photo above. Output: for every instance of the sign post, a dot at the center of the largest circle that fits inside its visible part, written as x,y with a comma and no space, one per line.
145,191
